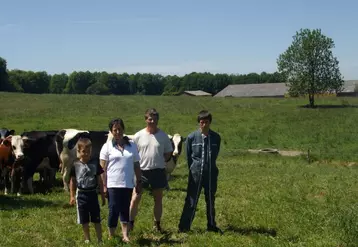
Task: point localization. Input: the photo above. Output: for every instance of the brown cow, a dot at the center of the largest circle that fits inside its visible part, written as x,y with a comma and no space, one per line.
6,164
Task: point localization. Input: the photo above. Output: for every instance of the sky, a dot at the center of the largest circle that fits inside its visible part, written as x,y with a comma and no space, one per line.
167,36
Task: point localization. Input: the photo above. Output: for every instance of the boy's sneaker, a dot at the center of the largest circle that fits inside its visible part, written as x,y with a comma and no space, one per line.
87,241
215,229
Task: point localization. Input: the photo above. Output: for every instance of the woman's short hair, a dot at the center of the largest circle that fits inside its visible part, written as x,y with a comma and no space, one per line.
121,123
115,122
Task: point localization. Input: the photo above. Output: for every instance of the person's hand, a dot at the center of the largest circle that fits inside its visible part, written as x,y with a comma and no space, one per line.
72,201
105,191
138,188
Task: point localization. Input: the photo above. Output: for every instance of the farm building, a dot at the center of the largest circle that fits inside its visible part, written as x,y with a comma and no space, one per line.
349,89
196,93
254,90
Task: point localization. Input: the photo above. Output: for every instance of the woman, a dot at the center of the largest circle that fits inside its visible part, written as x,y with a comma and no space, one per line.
119,159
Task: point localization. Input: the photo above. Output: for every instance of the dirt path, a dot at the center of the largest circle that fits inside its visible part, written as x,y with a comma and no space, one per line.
276,151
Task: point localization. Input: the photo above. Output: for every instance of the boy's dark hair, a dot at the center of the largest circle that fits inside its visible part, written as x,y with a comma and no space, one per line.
151,112
121,123
204,114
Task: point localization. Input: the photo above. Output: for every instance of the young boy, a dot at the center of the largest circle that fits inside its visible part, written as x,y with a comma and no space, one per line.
85,175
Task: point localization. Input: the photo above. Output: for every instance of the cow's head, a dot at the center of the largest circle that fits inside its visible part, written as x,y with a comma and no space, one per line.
5,133
18,144
177,143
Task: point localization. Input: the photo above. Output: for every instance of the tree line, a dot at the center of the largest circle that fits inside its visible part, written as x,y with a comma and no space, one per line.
103,83
308,67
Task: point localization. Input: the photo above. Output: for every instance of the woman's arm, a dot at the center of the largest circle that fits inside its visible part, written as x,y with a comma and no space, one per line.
103,164
138,176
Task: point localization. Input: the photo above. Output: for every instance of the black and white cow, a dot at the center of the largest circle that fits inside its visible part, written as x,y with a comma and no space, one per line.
4,132
177,143
34,151
66,146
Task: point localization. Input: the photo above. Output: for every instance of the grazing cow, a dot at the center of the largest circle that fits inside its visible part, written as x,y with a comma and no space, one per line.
32,150
177,143
66,145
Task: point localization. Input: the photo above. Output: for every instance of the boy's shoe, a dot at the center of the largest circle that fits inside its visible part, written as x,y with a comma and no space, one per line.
87,241
215,229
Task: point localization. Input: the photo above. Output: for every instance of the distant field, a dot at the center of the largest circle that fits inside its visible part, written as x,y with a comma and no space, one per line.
262,200
243,123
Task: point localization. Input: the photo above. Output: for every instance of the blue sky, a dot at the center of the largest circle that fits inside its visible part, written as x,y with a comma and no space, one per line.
167,36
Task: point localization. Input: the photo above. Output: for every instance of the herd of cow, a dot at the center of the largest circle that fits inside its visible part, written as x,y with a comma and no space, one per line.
49,152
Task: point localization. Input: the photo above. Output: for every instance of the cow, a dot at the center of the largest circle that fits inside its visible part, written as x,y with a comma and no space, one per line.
6,164
32,150
66,146
177,144
4,132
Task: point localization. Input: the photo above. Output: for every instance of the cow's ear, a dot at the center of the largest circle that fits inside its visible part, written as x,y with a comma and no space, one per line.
184,139
170,137
12,132
6,142
8,139
26,142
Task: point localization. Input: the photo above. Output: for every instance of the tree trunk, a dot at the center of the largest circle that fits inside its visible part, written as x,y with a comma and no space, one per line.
311,98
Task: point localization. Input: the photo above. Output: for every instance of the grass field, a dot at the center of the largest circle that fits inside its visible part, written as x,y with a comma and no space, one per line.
262,200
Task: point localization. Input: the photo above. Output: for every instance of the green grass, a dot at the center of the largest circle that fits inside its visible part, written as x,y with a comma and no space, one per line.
262,200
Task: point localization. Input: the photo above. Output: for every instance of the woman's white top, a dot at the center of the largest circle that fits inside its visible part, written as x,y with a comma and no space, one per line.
120,164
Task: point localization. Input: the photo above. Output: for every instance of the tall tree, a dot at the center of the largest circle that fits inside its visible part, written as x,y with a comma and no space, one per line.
58,83
309,65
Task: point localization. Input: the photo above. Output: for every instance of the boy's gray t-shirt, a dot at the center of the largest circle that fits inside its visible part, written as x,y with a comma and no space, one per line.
86,174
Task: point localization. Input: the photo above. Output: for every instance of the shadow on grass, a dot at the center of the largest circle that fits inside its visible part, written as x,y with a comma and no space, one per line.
251,230
177,189
165,239
328,106
41,188
13,202
178,176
